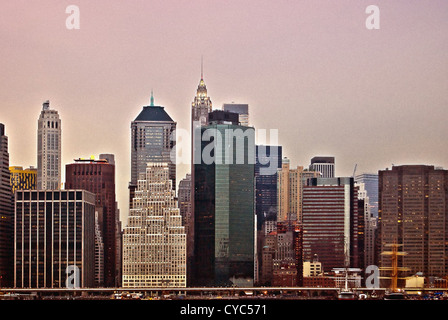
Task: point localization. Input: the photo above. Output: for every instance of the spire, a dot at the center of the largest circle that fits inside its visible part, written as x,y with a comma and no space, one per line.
201,82
202,67
152,99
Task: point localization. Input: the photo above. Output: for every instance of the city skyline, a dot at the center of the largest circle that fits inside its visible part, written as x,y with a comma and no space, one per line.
314,72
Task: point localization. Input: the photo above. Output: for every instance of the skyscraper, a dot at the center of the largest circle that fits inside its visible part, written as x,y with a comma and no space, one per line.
6,213
48,149
290,184
184,199
325,165
369,181
413,213
151,141
241,109
269,158
200,109
224,252
330,221
54,233
368,192
98,177
154,241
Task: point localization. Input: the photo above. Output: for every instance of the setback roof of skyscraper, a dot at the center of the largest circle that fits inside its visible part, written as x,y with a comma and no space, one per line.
153,113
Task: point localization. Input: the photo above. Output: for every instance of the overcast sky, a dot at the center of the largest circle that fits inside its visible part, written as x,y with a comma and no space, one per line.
310,69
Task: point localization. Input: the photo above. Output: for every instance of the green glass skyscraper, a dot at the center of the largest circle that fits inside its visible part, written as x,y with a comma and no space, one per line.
224,203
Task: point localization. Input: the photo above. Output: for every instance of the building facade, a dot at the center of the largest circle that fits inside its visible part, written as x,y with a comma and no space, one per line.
23,179
413,213
49,139
54,233
6,214
184,199
152,140
325,165
268,161
368,184
224,223
241,109
154,241
290,184
98,177
330,222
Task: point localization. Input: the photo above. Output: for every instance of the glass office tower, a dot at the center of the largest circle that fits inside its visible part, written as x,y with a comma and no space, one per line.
224,205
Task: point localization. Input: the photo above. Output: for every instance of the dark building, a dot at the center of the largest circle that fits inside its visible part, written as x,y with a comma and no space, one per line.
241,109
224,207
330,222
6,213
200,109
413,213
288,260
223,117
268,160
54,231
151,141
98,177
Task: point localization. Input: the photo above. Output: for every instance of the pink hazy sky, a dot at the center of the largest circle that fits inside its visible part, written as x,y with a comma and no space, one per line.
310,69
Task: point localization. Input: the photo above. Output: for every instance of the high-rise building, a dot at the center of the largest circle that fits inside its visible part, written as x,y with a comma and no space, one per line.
23,179
49,149
151,141
268,161
154,241
325,165
413,213
368,185
6,213
98,177
224,246
99,252
241,109
290,184
184,199
54,236
200,109
330,222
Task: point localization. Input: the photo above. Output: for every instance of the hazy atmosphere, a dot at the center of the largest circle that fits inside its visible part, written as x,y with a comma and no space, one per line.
310,69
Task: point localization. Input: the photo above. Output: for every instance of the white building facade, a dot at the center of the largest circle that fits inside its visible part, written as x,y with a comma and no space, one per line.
48,149
154,241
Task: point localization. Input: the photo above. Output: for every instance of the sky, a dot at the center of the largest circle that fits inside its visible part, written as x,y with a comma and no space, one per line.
310,69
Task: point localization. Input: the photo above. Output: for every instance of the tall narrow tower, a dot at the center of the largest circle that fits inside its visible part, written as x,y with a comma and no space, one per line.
48,149
6,214
200,108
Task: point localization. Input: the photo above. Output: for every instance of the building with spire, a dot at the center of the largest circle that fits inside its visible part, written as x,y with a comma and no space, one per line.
48,149
200,109
151,141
